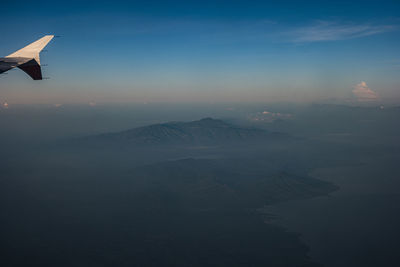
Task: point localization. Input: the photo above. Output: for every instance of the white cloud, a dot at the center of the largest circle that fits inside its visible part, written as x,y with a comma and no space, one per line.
363,93
269,116
332,31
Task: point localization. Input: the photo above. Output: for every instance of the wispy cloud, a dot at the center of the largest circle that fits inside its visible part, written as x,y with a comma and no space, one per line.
363,93
333,31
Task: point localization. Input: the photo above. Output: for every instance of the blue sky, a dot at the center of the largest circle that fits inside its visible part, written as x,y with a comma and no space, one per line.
205,51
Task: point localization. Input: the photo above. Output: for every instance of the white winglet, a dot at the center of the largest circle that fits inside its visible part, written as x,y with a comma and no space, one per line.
32,50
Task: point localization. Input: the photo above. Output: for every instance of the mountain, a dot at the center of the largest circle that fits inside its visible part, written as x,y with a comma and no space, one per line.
206,131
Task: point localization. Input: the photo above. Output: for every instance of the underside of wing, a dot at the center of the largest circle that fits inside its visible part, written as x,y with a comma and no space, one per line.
33,69
7,64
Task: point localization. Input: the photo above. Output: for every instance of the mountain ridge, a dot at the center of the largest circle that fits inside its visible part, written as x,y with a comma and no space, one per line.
200,132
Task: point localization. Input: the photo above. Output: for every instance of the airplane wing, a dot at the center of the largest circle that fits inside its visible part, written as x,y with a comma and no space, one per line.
27,58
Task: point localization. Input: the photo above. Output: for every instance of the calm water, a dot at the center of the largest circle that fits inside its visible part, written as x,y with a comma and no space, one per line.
355,226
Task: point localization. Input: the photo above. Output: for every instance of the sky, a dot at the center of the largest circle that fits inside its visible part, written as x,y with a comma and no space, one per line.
205,51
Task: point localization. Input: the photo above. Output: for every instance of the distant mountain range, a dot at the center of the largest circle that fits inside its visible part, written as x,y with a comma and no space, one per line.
206,131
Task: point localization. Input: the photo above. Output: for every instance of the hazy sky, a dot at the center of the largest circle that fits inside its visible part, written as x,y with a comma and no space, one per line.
262,51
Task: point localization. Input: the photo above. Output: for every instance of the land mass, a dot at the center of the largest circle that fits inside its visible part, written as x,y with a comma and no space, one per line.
207,131
159,202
